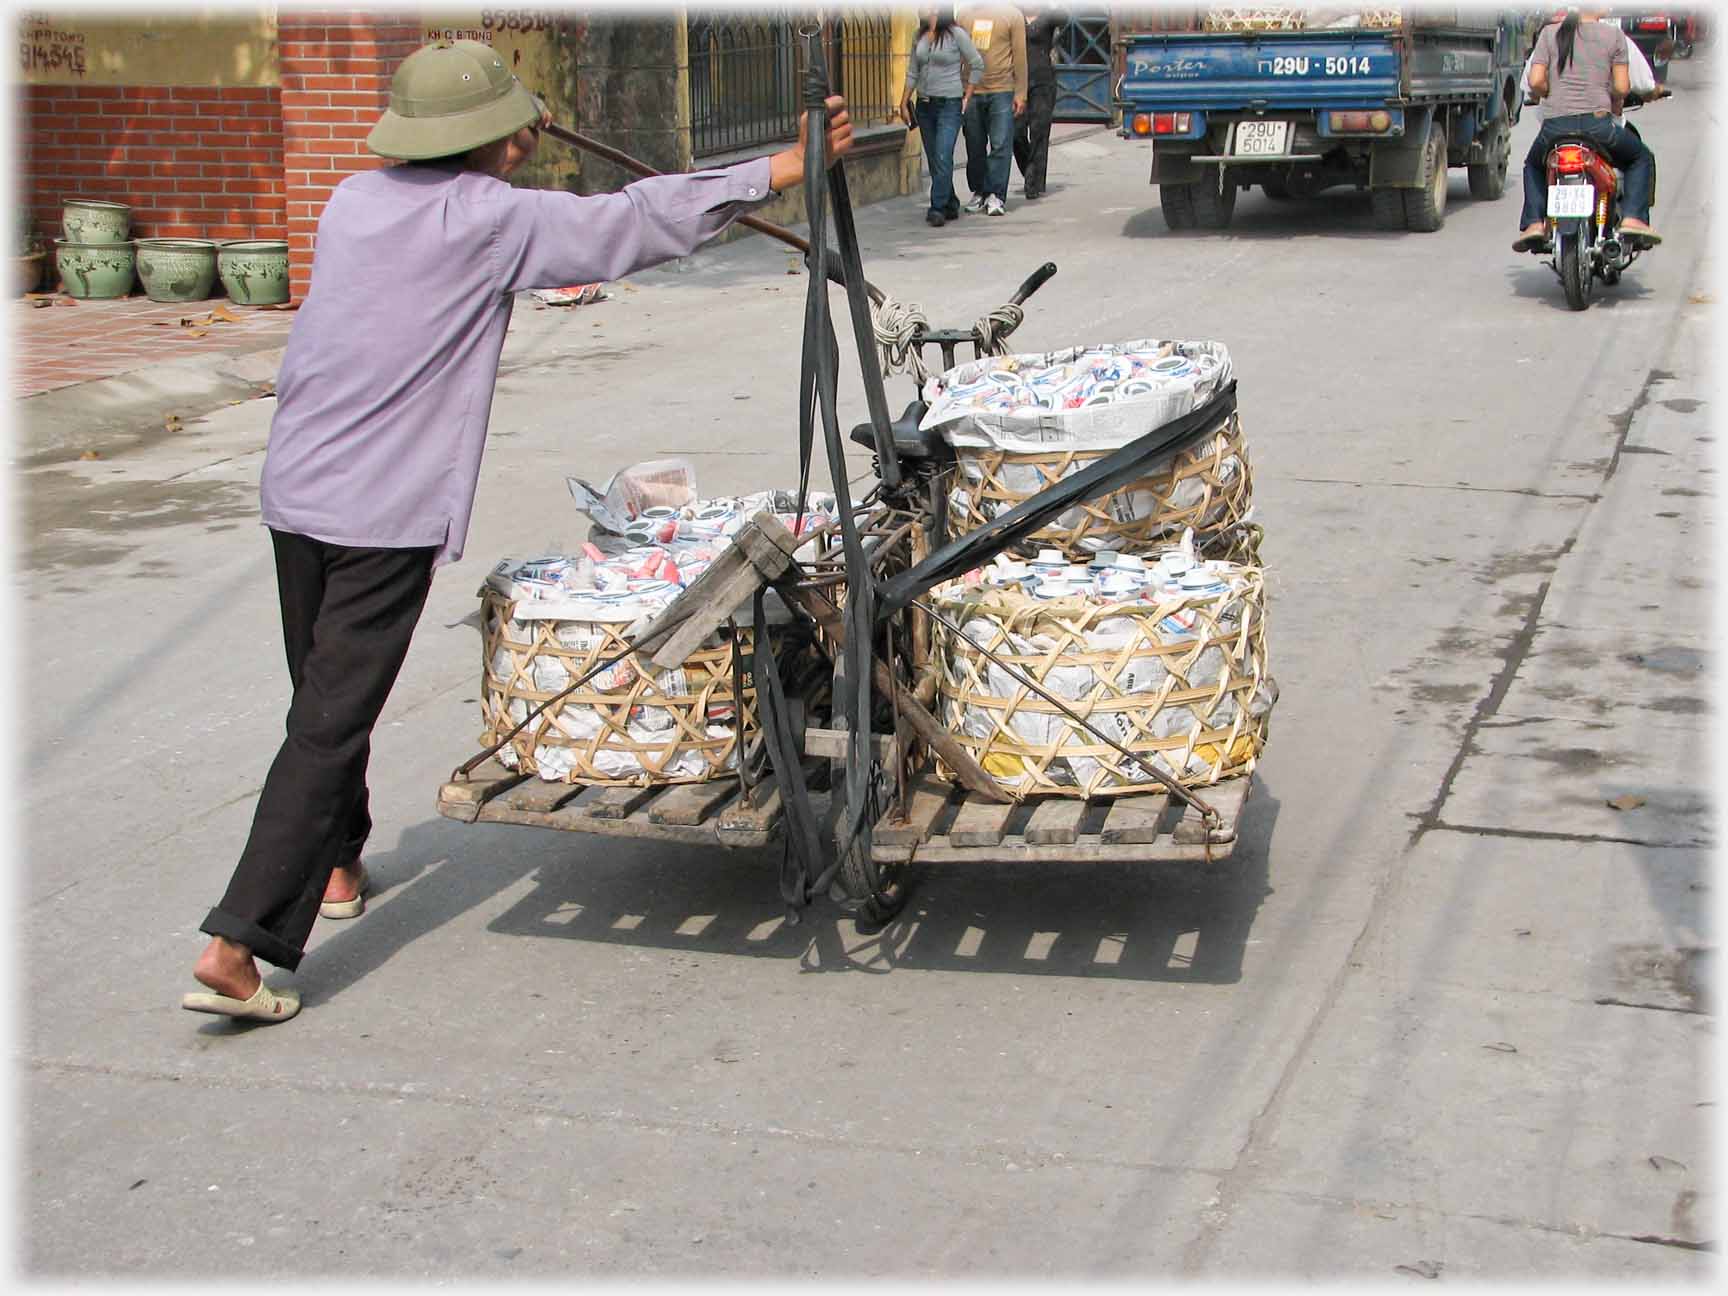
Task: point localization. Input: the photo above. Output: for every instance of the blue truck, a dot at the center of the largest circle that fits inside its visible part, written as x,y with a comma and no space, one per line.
1388,108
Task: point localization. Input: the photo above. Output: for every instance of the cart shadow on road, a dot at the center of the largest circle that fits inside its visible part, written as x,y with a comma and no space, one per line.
1151,922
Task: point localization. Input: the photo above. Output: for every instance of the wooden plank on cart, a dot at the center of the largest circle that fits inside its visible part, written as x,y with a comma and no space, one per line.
691,803
541,796
1227,799
760,554
463,798
924,805
1134,820
980,823
616,802
1055,821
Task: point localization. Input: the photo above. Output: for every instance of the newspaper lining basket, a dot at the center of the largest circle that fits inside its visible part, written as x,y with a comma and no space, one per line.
1208,487
1196,703
631,725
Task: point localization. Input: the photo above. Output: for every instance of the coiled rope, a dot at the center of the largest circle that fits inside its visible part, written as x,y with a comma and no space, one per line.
899,326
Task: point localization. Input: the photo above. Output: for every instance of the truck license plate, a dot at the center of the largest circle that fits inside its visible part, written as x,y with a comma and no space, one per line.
1260,138
1571,200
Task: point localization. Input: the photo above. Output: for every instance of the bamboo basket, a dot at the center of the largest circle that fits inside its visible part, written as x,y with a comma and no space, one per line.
1277,17
631,725
1207,487
1195,700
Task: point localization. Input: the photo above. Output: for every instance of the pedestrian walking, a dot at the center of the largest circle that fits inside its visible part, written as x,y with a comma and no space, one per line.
941,72
999,32
374,450
1032,129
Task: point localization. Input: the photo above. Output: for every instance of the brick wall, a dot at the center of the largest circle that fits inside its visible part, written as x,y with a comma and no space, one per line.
192,162
335,72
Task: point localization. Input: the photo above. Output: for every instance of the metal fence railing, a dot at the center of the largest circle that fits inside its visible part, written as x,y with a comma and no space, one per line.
745,73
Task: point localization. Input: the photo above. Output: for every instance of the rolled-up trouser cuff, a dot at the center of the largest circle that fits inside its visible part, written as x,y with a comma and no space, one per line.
277,952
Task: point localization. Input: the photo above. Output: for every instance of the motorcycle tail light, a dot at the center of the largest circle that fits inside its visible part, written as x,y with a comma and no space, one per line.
1569,159
1653,24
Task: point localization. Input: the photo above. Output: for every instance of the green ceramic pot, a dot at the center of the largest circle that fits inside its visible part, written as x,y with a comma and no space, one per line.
94,271
176,270
89,220
254,271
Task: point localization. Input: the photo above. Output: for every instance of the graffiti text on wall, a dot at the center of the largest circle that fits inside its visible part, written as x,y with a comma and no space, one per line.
43,47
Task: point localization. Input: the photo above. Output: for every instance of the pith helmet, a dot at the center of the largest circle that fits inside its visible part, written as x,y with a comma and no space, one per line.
447,99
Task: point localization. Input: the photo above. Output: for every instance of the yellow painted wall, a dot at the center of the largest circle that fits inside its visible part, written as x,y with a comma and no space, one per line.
525,38
218,47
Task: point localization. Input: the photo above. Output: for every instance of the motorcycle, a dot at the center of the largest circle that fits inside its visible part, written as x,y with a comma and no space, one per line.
1584,216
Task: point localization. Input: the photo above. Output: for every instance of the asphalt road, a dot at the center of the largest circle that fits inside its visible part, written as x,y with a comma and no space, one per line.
1444,1013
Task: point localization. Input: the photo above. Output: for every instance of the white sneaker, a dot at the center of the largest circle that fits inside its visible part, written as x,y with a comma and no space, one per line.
976,205
994,206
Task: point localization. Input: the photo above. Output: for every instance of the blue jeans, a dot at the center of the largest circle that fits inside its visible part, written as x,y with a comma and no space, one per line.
989,122
939,124
1629,153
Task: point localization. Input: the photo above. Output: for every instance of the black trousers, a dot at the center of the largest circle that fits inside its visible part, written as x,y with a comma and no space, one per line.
347,617
1032,136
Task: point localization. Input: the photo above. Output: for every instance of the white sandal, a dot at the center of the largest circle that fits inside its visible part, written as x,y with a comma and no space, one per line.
265,1005
347,908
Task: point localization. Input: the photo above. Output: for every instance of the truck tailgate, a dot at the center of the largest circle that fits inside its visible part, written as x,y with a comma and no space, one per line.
1260,69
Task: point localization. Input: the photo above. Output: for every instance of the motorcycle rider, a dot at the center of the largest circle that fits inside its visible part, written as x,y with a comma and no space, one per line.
1580,66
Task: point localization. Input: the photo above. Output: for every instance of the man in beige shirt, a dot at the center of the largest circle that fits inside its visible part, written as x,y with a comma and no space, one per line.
999,33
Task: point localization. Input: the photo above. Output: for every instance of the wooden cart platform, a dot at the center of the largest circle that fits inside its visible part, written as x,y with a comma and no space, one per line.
947,823
718,813
943,822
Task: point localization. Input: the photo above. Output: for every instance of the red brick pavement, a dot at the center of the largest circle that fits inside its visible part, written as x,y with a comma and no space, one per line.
73,342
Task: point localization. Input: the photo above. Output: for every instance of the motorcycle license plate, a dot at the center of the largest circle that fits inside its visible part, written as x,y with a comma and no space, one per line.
1571,200
1260,138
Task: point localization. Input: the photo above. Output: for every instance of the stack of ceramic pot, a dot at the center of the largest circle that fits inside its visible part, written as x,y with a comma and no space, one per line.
96,258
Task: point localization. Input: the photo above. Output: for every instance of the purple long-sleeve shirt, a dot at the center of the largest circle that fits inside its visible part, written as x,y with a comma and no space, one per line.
386,384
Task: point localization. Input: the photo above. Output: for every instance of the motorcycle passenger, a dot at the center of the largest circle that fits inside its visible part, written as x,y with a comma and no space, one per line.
1579,66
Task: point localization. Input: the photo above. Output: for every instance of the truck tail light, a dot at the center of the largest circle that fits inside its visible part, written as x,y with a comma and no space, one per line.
1142,123
1377,121
1170,123
1569,159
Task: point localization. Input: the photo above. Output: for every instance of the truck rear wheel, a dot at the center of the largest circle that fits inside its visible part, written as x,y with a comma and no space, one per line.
1177,203
1388,205
1425,208
1488,179
1214,201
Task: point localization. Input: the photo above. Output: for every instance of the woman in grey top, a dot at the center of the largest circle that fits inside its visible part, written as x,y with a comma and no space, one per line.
944,67
1579,67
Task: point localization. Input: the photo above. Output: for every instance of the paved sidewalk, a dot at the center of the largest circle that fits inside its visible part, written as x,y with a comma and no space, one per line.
68,341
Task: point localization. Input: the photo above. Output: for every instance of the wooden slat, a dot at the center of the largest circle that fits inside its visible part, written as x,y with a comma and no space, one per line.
1055,822
757,815
691,803
761,552
463,798
1227,799
834,744
923,805
1134,820
616,802
979,823
940,850
541,796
